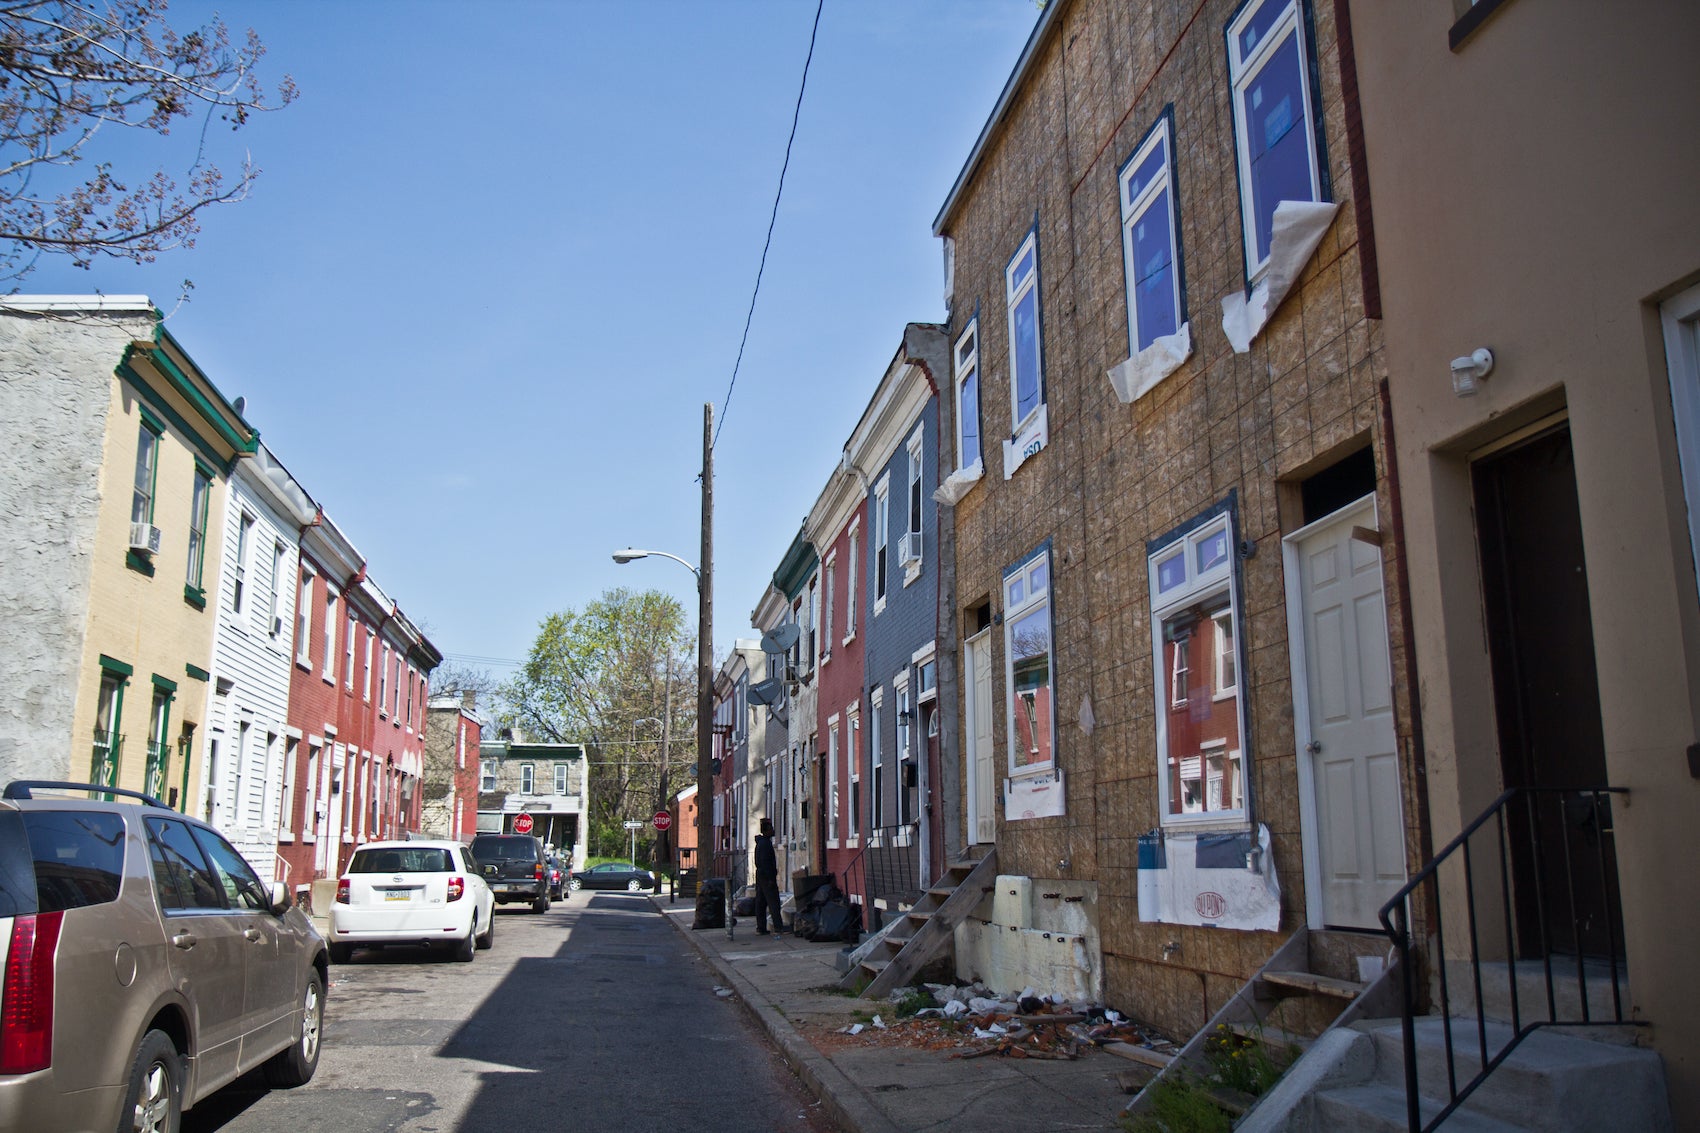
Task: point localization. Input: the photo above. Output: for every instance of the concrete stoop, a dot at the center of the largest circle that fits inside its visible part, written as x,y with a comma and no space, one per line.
1553,1082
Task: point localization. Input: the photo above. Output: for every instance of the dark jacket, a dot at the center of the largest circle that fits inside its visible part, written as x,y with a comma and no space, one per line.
767,866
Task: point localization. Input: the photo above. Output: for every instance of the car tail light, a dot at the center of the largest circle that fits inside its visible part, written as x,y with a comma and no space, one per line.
539,870
457,888
26,999
342,891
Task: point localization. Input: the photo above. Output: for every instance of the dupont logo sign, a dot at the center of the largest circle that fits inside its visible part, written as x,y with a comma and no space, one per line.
1210,905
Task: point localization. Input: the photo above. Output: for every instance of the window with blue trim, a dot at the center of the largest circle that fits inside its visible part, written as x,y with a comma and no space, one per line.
1030,671
1274,118
1026,361
1150,243
968,396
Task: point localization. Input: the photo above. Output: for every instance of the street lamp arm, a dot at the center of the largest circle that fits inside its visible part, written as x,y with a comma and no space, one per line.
631,553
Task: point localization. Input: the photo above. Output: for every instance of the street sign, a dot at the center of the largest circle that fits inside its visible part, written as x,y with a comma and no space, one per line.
662,820
522,824
633,824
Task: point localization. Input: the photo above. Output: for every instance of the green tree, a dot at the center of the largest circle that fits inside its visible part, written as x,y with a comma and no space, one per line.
617,677
74,72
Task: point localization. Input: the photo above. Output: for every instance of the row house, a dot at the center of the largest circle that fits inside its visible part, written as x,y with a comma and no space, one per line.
453,731
526,786
789,618
740,728
1546,398
119,455
1184,709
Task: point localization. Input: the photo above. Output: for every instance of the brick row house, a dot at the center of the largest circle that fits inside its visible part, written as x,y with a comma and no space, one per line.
183,618
1154,630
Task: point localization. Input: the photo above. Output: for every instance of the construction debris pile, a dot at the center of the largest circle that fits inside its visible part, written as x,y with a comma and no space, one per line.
971,1022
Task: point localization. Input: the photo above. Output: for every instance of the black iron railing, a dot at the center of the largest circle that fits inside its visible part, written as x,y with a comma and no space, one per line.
1550,858
888,869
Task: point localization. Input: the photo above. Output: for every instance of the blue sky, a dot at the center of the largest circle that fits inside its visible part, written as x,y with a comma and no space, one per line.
494,267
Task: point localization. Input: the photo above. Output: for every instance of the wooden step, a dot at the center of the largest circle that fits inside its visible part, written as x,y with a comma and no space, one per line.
1313,984
1272,1036
876,966
1139,1054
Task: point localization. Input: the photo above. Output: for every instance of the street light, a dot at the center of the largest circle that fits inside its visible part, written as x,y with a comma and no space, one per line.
632,553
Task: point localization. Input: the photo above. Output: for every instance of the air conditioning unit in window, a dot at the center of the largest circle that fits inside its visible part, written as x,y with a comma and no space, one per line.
909,548
144,537
277,626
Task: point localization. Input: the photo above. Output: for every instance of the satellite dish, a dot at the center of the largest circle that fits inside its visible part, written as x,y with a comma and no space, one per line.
769,692
780,640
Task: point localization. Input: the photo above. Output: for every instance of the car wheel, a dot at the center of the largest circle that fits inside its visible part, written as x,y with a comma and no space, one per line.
575,885
294,1065
541,905
489,936
341,953
467,946
634,886
154,1102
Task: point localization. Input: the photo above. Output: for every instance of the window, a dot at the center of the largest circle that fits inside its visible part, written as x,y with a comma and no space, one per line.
242,888
830,597
1274,123
850,593
371,655
412,680
876,755
854,755
905,756
275,624
159,744
486,779
1150,239
460,741
199,498
1031,679
915,486
395,692
832,782
527,778
1193,641
1681,318
310,809
329,672
239,569
1021,291
968,396
147,472
348,650
304,620
384,682
882,528
560,778
286,807
181,877
108,714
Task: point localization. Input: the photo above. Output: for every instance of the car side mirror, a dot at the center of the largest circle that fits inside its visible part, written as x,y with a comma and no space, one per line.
279,893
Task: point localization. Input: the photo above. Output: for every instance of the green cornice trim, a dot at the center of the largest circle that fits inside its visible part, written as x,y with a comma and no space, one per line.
206,469
796,567
195,596
138,563
150,420
114,665
197,673
218,421
165,683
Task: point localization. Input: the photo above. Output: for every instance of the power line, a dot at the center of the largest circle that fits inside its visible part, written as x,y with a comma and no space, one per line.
796,113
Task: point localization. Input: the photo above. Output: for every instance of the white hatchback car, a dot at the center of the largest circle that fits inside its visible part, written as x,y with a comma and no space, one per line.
418,892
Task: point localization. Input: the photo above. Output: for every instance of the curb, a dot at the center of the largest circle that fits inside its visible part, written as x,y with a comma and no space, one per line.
843,1100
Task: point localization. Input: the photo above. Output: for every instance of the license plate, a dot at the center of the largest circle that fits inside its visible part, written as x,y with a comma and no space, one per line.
398,894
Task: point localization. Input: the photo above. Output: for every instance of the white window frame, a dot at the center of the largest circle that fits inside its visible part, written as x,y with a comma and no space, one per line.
371,656
967,369
853,741
239,570
286,808
274,625
329,670
527,779
1194,585
832,822
1225,649
915,504
828,597
905,748
560,778
851,597
1681,318
384,682
814,623
882,540
1135,208
348,648
1030,602
1244,68
304,620
460,741
486,779
1016,289
876,758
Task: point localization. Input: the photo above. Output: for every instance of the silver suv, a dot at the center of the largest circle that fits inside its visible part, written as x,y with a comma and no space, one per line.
144,964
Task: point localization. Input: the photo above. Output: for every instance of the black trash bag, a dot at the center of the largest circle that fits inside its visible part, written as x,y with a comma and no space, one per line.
744,903
837,919
711,904
804,885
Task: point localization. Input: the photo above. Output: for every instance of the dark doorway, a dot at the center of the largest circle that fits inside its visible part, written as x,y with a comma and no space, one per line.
1546,692
820,807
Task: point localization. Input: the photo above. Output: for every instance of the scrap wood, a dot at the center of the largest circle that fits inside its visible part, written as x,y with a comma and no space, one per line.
1051,1020
1140,1054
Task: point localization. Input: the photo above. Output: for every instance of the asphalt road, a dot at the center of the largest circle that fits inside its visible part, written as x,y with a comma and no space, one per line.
593,1016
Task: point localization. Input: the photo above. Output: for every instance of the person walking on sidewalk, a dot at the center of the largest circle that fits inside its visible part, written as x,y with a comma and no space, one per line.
767,881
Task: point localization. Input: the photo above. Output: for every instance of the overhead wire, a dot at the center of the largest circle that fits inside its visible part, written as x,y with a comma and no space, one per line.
796,114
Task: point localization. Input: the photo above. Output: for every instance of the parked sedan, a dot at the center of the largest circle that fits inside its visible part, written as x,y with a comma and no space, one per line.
613,875
557,878
418,892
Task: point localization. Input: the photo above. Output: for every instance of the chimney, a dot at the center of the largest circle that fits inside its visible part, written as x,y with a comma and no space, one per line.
469,700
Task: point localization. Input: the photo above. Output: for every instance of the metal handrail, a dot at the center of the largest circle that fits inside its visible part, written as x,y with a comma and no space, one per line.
1395,921
870,876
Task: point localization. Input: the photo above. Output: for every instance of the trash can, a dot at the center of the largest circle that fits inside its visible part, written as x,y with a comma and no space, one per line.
687,882
711,904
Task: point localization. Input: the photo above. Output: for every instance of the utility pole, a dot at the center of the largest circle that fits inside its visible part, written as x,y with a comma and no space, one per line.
705,659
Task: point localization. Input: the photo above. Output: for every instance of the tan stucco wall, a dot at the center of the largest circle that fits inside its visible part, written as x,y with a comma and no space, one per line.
1534,193
146,622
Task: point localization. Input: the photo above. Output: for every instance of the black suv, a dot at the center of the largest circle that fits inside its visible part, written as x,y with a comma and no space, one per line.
145,964
515,868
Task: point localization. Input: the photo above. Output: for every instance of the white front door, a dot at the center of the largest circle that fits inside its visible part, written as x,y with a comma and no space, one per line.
1354,830
982,797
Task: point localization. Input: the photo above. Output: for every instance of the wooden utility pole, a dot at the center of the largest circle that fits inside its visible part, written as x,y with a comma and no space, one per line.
705,659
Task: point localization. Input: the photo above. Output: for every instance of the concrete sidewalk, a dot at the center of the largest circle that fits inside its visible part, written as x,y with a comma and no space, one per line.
874,1087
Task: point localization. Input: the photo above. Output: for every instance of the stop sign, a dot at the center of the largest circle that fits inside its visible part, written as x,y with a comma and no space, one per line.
662,820
522,824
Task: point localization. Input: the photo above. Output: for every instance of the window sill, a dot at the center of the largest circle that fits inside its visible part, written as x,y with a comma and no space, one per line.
304,664
1226,694
848,638
195,596
328,679
911,573
1220,822
879,606
286,839
138,563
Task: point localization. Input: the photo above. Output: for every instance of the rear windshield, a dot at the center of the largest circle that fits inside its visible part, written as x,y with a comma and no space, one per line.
505,846
421,859
79,857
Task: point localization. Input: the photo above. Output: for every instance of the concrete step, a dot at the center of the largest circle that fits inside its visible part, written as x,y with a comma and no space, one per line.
1381,1109
1528,977
1573,1083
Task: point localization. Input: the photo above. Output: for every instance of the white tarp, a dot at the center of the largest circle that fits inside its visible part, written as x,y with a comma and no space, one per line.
1297,230
1212,880
1036,796
956,485
1137,376
1027,443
